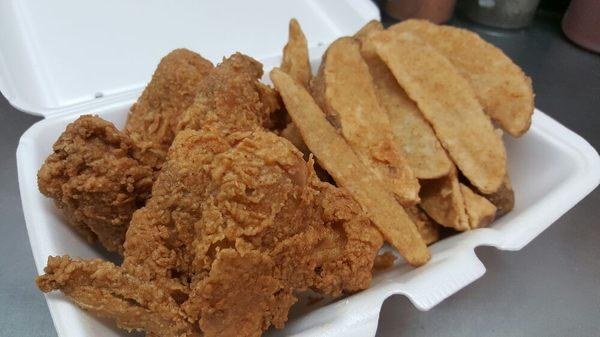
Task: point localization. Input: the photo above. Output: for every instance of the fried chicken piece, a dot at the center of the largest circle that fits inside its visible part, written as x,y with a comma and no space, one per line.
106,290
237,223
160,241
241,297
98,176
97,179
233,96
153,119
268,211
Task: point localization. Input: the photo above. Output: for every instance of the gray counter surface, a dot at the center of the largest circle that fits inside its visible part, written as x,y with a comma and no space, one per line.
549,288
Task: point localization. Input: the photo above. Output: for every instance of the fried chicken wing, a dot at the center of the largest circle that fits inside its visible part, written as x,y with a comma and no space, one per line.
97,178
153,119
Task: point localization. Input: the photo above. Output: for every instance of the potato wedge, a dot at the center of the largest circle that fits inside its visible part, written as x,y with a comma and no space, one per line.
295,55
443,201
338,158
429,229
504,198
344,89
480,211
296,63
500,85
447,101
371,27
292,134
412,133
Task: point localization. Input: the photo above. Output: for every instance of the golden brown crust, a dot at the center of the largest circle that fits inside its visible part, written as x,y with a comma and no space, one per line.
98,175
267,207
97,178
241,296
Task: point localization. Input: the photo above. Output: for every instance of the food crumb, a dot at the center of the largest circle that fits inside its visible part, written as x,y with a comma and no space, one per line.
384,261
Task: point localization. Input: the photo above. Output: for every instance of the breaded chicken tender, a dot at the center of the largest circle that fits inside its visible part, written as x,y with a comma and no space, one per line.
236,225
97,179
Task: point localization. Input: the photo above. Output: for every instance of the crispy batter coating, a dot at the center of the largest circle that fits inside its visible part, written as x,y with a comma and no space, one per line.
233,96
153,119
97,179
160,240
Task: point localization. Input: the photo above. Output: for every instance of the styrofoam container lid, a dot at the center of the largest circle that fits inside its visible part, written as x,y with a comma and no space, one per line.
57,55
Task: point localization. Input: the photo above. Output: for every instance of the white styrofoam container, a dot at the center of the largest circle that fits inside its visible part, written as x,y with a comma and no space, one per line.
551,167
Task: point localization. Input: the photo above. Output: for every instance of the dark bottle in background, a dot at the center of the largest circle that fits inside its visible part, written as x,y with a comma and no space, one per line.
437,11
581,23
